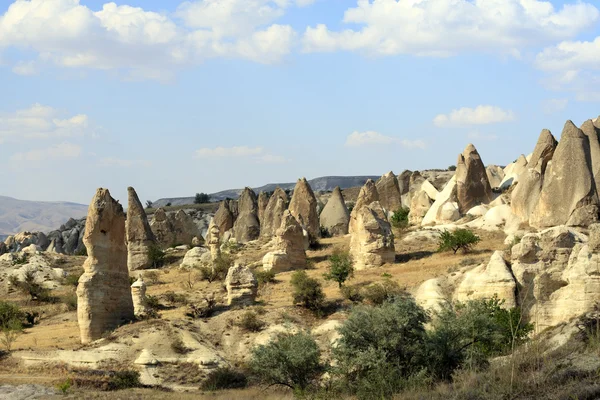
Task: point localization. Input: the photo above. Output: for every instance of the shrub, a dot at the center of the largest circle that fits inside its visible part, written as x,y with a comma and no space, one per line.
168,204
324,232
352,293
9,312
340,268
153,303
380,348
250,322
175,298
224,378
65,385
201,198
379,293
127,379
204,310
149,204
307,291
219,269
400,218
82,252
71,301
155,256
73,279
459,239
177,345
313,242
263,277
289,360
452,168
30,287
152,277
20,260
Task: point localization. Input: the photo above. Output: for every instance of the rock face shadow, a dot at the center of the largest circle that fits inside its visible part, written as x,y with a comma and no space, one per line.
417,255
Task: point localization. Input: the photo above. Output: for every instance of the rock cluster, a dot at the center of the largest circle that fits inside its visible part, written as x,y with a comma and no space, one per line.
174,229
276,206
372,241
335,216
367,195
103,295
246,226
289,253
472,185
303,207
388,189
139,234
241,285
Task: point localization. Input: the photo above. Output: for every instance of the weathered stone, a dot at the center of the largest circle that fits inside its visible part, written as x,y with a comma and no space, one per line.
103,295
372,242
389,192
420,204
513,172
138,295
289,252
472,185
139,234
263,201
193,258
212,240
246,227
495,175
590,130
335,217
568,194
303,207
367,195
241,285
225,217
173,229
445,208
273,213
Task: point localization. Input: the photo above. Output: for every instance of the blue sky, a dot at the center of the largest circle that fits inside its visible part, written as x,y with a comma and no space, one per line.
177,98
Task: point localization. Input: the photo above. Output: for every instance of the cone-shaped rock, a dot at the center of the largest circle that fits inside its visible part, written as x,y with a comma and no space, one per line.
590,130
289,251
161,227
184,228
389,192
495,175
513,172
526,194
569,192
303,207
263,201
404,186
103,295
224,217
472,185
335,217
139,235
273,213
367,195
372,242
246,227
420,205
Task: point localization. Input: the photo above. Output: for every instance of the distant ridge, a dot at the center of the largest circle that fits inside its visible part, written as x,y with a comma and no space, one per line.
324,184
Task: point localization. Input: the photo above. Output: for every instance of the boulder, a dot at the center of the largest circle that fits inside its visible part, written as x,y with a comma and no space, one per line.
103,295
161,227
194,257
372,241
139,234
335,217
472,185
247,227
389,192
184,228
225,216
404,186
420,204
568,193
367,195
289,252
303,207
273,213
241,285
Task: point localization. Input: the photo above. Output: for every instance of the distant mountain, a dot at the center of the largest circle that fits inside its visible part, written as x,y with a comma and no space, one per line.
325,184
36,216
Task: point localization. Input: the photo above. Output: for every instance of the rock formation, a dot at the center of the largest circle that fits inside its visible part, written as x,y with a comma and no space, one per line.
139,234
445,207
263,201
194,258
138,295
495,175
225,217
568,194
289,253
246,227
273,213
419,206
103,295
161,227
590,130
367,195
513,172
212,240
241,285
372,242
472,185
335,217
389,192
174,229
303,207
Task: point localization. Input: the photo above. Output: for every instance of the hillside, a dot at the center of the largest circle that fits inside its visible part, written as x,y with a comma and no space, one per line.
23,215
325,183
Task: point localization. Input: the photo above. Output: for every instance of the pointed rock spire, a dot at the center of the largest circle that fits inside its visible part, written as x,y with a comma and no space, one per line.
139,235
335,217
472,185
303,207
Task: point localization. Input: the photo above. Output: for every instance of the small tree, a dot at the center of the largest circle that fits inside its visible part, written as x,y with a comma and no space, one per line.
452,168
340,268
201,198
307,291
156,256
400,218
149,204
290,360
459,239
10,324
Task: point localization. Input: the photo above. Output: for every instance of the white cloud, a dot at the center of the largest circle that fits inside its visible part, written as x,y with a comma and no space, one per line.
25,68
57,152
42,122
144,43
121,163
304,3
357,139
447,27
551,106
479,115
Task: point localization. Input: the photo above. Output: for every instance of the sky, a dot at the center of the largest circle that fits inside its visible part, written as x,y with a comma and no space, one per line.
175,98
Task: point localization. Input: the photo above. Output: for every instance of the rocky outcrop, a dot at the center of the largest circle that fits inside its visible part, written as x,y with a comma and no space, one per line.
241,285
289,253
68,239
246,227
404,186
139,234
184,228
526,194
513,172
568,193
195,257
419,206
372,241
213,240
590,130
103,295
495,175
138,295
263,201
303,207
389,192
273,213
445,207
225,216
335,217
367,195
472,185
174,229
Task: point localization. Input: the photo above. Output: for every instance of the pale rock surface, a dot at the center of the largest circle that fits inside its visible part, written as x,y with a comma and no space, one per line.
472,185
335,217
273,213
289,252
569,193
430,295
372,241
194,258
138,295
212,240
225,216
445,208
367,195
389,192
590,130
420,204
103,295
514,172
303,207
478,211
139,234
263,200
184,227
495,175
247,227
241,286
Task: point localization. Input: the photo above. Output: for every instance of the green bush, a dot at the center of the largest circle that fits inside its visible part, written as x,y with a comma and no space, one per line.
263,277
460,239
379,293
73,279
10,313
290,360
250,322
32,288
324,232
340,268
352,293
81,252
400,218
219,269
452,168
201,198
176,298
156,256
224,378
65,385
307,291
153,303
121,380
